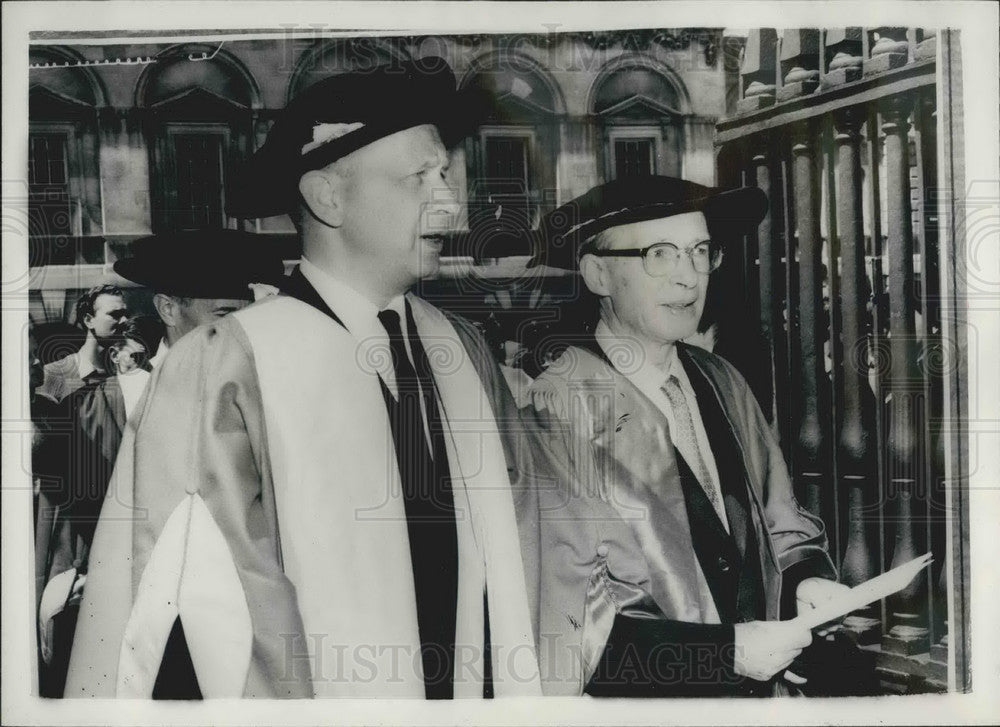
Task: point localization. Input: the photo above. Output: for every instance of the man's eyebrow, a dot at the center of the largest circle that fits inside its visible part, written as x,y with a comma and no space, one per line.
675,244
432,159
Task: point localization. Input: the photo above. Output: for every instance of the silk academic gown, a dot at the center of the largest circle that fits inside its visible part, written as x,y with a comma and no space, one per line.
256,503
640,584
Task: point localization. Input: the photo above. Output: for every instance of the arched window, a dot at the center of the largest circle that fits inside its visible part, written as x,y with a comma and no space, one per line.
199,112
64,200
511,161
330,57
640,107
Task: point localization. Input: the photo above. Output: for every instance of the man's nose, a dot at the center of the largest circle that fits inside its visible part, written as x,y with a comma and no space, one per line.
684,273
442,212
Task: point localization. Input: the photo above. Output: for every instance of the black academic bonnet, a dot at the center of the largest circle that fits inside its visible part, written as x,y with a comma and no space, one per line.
562,233
343,113
203,263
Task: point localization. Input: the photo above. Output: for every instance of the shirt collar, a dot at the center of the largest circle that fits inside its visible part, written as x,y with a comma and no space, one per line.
84,367
161,352
629,359
354,309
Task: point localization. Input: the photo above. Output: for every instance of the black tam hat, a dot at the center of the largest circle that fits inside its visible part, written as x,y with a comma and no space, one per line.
203,263
563,231
343,113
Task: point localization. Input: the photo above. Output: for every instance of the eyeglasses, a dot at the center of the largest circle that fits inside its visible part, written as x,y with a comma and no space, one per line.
662,258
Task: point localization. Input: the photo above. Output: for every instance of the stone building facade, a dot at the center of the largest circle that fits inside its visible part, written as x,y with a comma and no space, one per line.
131,139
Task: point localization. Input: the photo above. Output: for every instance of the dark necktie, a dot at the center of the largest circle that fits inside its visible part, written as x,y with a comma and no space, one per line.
429,505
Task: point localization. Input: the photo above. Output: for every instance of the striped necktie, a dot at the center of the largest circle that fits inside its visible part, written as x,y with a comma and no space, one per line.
686,442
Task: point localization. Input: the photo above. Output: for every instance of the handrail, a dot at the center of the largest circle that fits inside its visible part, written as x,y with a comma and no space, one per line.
826,101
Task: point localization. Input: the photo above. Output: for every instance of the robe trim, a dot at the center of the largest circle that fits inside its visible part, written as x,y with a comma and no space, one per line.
190,575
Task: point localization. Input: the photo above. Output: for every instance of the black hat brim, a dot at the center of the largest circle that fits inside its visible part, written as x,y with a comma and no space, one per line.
203,264
414,94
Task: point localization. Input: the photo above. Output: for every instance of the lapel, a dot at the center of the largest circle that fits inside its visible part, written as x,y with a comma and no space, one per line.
636,420
725,452
723,448
734,480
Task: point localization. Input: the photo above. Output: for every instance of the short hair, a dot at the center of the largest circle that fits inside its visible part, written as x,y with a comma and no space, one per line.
126,332
597,242
85,303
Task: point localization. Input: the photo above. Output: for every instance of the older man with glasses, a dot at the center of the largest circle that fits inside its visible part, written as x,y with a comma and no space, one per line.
670,533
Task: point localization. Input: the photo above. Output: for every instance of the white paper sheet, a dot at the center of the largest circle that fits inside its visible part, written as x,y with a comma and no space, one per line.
861,595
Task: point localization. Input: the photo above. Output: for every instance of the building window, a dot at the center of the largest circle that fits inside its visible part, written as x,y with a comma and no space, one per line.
200,183
193,159
642,116
634,157
511,162
200,123
506,177
48,185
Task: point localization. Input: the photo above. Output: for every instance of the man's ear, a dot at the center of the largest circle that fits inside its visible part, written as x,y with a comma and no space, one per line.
594,271
167,309
322,193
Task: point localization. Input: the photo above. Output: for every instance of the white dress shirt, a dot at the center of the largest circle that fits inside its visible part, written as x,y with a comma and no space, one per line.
649,379
132,385
161,353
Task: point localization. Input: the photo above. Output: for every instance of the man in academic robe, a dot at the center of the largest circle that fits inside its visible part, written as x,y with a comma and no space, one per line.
315,497
196,277
669,533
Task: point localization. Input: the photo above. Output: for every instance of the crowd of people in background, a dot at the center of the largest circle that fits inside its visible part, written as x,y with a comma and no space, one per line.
82,398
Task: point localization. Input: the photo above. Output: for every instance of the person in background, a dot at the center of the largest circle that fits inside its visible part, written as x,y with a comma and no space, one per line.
100,311
186,296
671,542
199,276
128,356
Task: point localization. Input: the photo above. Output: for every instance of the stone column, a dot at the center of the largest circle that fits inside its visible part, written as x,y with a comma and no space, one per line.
909,634
812,464
856,443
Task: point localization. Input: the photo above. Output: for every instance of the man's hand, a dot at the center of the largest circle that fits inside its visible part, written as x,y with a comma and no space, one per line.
813,592
764,648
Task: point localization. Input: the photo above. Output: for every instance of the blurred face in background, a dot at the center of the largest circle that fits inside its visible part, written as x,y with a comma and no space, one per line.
128,356
194,312
109,314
